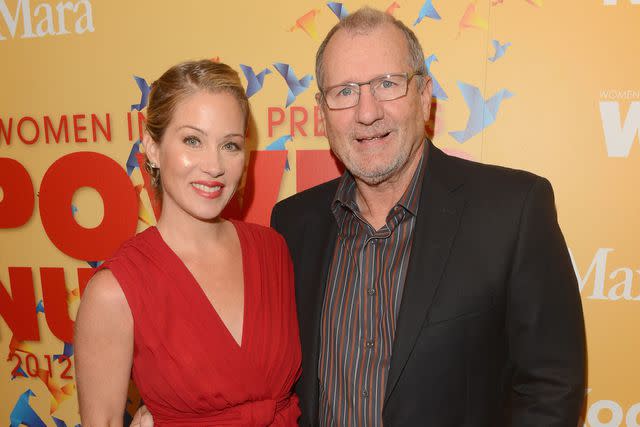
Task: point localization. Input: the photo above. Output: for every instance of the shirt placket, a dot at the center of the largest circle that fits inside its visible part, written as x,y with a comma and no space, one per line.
369,324
370,281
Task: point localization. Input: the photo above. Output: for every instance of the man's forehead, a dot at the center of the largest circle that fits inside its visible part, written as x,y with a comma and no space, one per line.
354,55
359,39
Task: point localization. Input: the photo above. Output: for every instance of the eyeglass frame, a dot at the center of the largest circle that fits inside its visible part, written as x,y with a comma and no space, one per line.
408,76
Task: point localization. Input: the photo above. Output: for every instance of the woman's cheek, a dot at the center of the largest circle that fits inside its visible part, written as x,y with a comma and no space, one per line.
186,160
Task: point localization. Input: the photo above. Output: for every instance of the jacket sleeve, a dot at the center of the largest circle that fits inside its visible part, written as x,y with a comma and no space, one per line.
544,320
274,218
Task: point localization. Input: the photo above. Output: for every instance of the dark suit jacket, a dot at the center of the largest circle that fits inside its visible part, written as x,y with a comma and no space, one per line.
490,330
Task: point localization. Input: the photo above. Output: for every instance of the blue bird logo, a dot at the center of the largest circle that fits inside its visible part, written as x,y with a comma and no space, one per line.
296,86
254,81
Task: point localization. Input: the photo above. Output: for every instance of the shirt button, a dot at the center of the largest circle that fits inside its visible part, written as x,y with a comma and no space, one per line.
369,343
365,393
371,291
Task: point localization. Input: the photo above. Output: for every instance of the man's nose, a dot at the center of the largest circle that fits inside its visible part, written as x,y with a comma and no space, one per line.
369,108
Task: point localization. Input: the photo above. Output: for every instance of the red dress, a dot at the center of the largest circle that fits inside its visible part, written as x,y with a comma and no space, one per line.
187,366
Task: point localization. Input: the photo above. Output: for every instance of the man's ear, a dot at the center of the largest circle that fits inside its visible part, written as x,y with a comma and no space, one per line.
319,101
151,149
427,91
321,106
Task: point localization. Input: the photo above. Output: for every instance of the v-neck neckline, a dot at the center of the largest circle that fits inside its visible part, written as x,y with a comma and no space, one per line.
243,339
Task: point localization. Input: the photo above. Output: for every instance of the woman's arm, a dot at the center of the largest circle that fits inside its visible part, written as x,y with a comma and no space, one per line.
103,351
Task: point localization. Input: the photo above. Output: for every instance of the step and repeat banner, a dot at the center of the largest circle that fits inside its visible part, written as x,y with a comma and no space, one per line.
547,86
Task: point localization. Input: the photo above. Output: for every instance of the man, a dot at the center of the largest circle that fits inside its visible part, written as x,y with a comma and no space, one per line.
430,290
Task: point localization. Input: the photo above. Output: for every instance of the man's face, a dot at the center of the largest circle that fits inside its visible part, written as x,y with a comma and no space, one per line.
376,140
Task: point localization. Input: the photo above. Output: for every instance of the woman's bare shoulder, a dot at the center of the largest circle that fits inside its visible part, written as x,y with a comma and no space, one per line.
103,292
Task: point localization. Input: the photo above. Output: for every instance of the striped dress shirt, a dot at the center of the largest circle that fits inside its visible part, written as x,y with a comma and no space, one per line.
361,303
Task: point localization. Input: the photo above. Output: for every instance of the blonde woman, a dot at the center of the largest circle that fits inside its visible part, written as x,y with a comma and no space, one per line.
199,309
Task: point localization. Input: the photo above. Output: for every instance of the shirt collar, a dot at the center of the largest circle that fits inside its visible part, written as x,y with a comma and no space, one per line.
345,196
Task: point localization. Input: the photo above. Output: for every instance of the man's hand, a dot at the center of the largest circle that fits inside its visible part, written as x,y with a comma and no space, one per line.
142,418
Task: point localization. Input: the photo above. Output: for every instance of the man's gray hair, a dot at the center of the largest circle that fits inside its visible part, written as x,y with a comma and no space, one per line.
363,21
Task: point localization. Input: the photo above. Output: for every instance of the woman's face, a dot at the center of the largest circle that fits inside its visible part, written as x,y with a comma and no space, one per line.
201,155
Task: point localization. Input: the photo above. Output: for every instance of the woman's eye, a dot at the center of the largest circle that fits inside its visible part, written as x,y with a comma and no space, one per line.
231,146
192,141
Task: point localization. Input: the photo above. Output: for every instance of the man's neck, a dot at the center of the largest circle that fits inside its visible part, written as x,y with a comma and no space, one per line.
375,201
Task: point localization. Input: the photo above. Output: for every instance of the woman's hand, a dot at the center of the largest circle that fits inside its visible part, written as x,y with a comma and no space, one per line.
142,418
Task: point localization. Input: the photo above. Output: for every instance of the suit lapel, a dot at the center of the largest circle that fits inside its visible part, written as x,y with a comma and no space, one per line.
319,240
437,221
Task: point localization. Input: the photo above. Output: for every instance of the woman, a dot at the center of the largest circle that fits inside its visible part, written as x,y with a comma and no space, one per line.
199,308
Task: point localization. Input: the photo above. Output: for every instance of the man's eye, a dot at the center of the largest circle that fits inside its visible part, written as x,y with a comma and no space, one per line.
192,141
346,91
387,84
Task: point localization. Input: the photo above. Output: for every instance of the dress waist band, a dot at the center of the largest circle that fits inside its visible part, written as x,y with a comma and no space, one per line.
253,413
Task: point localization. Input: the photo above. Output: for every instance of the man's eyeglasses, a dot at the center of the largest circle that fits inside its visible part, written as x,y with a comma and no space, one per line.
383,88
